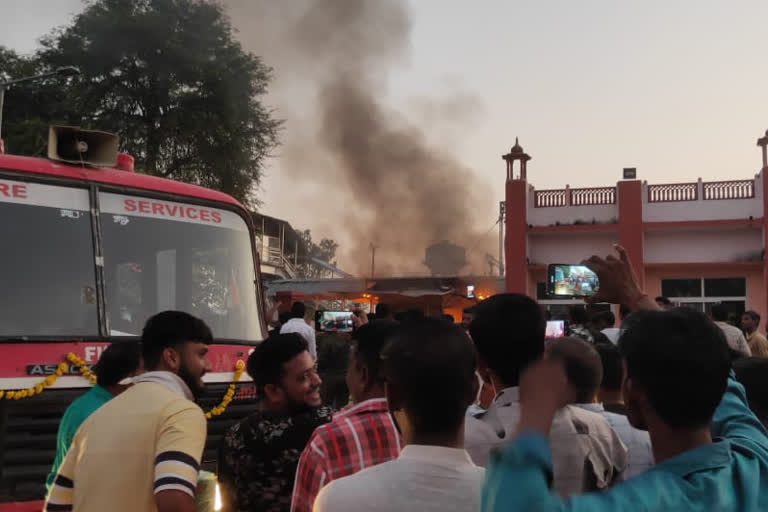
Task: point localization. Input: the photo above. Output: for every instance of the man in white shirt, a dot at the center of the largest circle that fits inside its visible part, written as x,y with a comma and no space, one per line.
300,325
585,373
733,335
508,331
429,368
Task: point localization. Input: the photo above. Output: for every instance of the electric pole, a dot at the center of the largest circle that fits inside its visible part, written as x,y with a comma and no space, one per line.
373,260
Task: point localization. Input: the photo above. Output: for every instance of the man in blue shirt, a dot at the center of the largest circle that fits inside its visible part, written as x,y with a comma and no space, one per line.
710,449
118,362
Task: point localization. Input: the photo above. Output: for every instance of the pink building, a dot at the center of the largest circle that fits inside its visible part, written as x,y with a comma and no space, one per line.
697,243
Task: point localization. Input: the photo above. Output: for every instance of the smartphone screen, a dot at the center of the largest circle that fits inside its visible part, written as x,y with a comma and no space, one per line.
334,321
555,328
572,281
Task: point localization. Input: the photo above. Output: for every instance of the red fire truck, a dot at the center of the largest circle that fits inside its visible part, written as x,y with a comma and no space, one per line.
88,252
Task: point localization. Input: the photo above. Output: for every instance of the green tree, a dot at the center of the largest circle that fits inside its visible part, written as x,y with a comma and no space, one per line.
30,107
168,76
324,251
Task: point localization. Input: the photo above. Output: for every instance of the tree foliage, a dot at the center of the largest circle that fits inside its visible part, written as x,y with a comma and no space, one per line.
168,76
323,251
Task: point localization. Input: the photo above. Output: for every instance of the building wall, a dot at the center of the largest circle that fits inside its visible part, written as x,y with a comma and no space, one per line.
700,210
703,245
569,247
601,214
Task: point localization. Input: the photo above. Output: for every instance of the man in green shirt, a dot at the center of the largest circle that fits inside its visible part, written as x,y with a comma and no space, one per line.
118,362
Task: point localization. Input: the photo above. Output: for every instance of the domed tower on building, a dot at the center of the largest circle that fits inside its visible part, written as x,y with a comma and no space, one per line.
515,210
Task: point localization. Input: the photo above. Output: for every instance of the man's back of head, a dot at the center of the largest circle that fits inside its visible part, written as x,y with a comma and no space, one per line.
604,320
582,365
679,361
508,331
118,362
383,311
719,313
613,370
365,378
577,314
298,310
430,368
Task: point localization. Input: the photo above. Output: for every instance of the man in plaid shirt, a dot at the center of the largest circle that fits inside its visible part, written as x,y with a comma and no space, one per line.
358,437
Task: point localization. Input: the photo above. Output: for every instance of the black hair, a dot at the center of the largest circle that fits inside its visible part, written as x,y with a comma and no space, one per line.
369,341
119,360
283,317
448,318
754,315
469,310
613,370
663,300
430,364
383,310
624,311
577,314
298,310
606,317
681,360
719,313
751,372
508,330
265,364
170,329
582,365
411,315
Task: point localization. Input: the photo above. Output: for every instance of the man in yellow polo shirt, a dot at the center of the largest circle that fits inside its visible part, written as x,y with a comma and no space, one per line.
141,451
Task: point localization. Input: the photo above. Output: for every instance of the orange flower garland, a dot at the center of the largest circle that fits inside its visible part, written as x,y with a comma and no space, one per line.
80,364
37,388
230,394
89,375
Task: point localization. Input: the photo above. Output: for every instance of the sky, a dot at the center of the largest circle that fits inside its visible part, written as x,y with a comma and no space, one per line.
678,90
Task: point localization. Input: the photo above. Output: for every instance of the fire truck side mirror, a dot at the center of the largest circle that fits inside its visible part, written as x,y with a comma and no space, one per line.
87,147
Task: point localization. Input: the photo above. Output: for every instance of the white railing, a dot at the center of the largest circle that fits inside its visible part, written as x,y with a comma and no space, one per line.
592,196
741,189
550,198
673,192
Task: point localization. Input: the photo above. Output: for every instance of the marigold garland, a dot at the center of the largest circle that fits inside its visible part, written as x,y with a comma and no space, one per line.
37,388
82,367
91,377
230,394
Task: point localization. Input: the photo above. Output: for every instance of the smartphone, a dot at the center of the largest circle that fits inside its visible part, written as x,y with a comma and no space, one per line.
555,329
334,321
470,291
571,281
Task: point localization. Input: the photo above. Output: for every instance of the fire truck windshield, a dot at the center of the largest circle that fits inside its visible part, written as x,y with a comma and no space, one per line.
157,255
47,273
161,255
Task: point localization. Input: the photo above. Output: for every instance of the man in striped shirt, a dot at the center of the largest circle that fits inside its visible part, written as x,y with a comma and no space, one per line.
141,451
358,437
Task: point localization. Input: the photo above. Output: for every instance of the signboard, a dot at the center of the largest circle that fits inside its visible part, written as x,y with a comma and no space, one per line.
25,364
123,207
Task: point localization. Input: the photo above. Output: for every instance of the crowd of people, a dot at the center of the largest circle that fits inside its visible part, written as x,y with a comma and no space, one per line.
486,415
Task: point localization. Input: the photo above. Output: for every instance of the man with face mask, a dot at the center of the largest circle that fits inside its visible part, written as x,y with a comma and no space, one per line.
259,454
141,450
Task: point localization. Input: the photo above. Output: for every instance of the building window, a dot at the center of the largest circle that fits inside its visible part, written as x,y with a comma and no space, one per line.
681,287
703,293
725,287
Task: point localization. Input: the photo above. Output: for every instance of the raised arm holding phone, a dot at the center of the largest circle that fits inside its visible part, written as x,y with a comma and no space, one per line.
711,450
